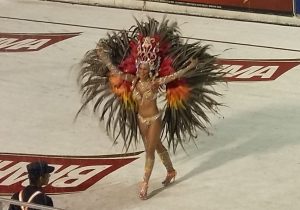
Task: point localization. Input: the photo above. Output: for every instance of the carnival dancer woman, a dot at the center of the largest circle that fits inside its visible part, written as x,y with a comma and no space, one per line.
144,92
128,71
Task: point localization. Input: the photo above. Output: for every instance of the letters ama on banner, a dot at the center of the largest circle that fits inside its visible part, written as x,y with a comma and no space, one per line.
26,42
71,174
256,70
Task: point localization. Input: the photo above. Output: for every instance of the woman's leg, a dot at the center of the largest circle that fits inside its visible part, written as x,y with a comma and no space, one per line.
165,157
143,127
149,160
143,131
166,160
152,135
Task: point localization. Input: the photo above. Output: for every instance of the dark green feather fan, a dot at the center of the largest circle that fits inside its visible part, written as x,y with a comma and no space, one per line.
187,98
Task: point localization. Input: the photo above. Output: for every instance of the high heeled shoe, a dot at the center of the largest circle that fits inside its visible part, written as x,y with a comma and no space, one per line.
169,178
143,190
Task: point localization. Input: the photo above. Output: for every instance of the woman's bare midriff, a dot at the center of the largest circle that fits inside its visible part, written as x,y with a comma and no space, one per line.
148,108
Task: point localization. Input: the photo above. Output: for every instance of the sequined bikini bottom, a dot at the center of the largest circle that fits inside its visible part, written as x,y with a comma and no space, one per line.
149,120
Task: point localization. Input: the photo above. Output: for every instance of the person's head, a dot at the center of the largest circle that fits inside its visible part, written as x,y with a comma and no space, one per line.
144,70
39,173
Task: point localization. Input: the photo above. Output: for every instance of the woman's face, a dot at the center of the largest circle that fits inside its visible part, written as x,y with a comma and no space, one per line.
143,70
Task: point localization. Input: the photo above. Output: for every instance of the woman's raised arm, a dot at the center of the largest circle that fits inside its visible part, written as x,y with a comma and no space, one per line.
102,54
177,74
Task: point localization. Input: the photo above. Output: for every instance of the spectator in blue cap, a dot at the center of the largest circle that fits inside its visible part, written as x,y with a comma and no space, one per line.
38,174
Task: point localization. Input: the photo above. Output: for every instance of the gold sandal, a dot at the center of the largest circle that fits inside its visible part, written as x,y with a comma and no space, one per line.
143,190
169,178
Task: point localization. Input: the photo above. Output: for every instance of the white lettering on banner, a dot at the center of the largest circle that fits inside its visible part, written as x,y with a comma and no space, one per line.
4,163
70,176
13,44
56,175
238,71
16,173
232,70
266,72
7,42
78,176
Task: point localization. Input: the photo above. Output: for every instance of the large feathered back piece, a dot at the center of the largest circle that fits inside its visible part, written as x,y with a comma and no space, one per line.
186,99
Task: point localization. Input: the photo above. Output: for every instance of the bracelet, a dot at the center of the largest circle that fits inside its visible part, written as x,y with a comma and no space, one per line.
109,65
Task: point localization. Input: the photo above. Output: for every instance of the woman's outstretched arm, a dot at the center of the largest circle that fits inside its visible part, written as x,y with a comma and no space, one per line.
177,74
102,54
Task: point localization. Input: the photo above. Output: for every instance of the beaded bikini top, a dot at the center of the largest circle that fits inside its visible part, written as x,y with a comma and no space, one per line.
149,94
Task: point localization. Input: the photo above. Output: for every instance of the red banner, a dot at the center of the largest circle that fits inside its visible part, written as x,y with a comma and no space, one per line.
280,6
71,174
26,42
256,70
